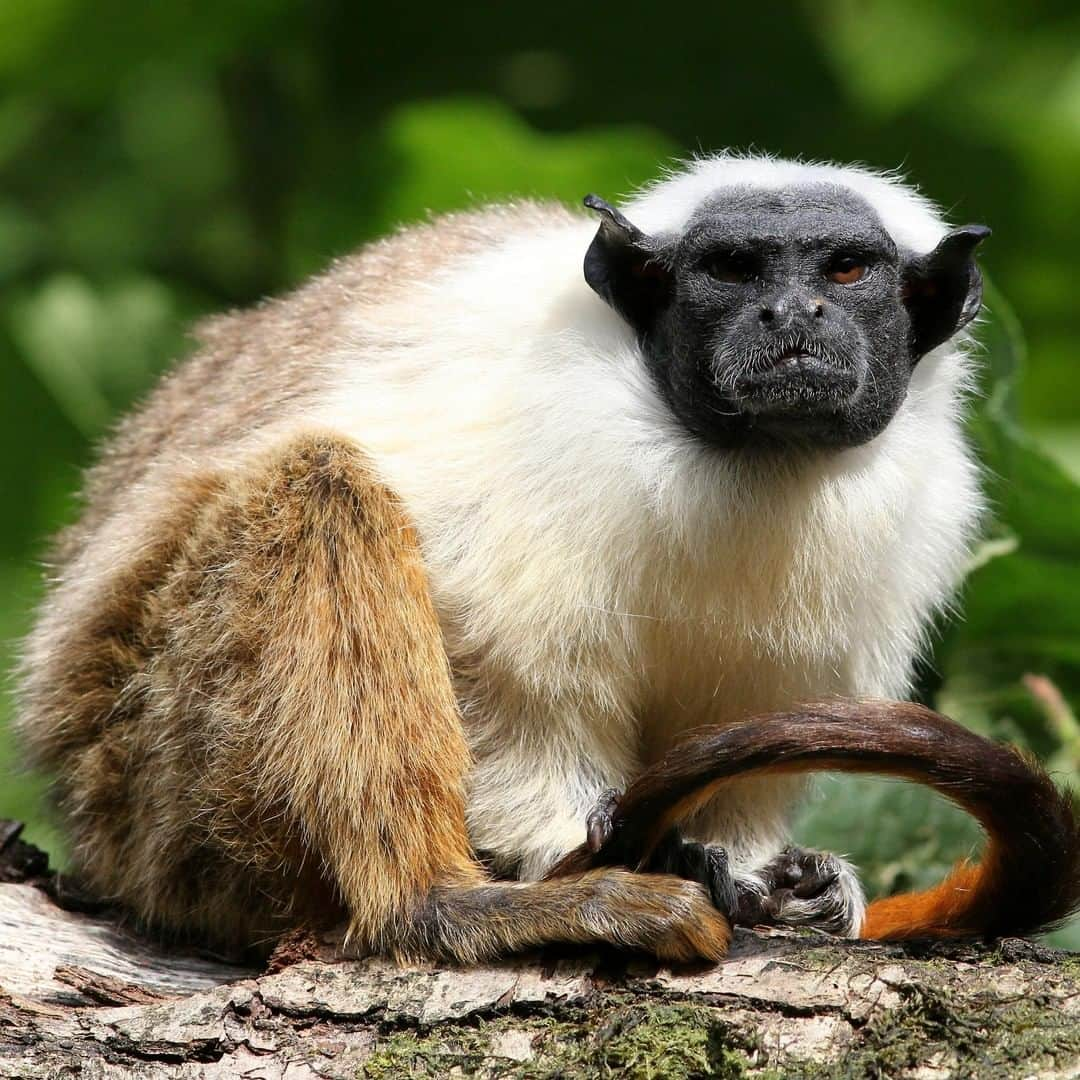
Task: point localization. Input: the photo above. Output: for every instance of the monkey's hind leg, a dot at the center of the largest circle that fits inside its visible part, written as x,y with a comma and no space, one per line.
302,677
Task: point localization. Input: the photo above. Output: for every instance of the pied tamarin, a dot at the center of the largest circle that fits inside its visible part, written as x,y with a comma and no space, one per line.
381,599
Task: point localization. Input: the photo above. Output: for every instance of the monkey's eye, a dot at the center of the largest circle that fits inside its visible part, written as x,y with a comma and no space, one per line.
731,267
846,269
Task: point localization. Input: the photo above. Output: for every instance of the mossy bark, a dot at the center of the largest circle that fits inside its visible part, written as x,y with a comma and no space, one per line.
81,996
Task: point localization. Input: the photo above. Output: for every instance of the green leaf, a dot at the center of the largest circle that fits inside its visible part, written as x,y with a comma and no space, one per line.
889,56
95,347
436,142
436,156
1021,610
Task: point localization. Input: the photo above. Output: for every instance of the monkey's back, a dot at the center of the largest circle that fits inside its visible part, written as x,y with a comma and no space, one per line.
256,367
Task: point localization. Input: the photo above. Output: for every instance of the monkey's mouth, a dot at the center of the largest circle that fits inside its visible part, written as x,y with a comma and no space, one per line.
796,379
790,359
796,357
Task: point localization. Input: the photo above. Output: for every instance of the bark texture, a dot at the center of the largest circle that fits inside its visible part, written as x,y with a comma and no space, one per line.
80,996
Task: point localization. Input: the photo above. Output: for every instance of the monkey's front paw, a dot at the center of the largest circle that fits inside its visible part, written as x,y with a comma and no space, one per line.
801,887
706,864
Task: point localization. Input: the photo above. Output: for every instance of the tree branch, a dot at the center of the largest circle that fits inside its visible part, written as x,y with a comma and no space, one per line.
81,995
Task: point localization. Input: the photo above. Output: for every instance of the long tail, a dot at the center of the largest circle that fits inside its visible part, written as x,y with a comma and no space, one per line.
1028,879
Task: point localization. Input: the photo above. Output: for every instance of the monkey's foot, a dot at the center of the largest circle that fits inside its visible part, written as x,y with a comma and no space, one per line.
802,887
707,864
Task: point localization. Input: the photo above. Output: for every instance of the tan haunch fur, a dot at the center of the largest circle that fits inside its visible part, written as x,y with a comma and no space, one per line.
280,720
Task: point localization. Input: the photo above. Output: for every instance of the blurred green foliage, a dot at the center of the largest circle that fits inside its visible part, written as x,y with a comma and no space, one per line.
159,161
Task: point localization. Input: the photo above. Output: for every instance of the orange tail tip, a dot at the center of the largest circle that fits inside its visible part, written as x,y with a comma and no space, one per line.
940,912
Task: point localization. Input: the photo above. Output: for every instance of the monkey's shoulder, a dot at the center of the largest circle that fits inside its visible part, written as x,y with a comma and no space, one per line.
256,368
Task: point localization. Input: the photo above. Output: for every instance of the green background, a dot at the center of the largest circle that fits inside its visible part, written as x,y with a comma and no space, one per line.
160,161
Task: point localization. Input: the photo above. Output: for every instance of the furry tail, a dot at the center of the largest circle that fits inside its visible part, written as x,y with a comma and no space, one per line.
1028,879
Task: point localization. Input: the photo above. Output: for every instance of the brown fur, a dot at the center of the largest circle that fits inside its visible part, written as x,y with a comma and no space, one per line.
259,732
239,683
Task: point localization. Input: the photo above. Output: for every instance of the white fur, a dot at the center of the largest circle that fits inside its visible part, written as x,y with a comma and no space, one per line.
604,581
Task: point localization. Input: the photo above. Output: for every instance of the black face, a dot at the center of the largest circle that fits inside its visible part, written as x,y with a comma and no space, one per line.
785,316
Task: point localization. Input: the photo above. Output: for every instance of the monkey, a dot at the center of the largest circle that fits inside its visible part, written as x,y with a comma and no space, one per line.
379,597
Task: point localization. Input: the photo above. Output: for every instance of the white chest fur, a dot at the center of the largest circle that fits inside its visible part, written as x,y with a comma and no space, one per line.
604,581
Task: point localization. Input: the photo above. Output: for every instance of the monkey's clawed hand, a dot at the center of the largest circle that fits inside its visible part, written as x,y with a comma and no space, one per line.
798,887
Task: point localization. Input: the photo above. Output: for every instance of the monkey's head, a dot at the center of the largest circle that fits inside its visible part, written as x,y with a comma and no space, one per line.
785,315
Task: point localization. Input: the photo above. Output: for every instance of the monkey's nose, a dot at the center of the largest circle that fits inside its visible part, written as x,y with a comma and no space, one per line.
784,311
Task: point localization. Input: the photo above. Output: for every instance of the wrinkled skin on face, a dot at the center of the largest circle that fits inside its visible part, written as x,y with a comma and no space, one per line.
782,317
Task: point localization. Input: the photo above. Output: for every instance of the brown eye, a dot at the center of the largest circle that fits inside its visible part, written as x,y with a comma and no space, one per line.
846,270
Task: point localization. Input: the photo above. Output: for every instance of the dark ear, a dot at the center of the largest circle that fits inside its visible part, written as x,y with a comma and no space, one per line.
943,290
624,267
